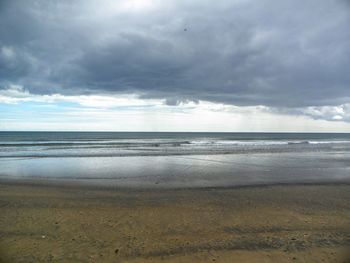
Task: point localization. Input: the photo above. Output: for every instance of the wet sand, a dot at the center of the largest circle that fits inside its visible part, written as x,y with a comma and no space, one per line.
294,223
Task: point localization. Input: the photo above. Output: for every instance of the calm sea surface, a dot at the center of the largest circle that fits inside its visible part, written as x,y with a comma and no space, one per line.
174,159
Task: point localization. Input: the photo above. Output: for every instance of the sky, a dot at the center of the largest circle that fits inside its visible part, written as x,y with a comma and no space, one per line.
175,65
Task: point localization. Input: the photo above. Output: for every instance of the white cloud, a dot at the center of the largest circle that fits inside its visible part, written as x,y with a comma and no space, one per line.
15,94
192,119
335,113
7,52
129,112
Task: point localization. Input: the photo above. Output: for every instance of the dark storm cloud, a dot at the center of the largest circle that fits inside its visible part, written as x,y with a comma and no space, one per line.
274,53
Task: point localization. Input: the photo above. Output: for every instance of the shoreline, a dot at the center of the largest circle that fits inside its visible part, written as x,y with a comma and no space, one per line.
78,184
274,223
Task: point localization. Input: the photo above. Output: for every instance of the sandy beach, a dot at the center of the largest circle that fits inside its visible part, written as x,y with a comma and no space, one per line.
291,223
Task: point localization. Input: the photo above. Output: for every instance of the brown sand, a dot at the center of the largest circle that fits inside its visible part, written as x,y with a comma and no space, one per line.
305,223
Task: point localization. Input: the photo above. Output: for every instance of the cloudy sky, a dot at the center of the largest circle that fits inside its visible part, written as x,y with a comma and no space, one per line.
176,65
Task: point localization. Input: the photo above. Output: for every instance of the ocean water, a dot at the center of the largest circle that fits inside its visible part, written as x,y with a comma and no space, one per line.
174,159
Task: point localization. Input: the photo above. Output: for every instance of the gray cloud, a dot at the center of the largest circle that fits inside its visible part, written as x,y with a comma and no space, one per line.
273,53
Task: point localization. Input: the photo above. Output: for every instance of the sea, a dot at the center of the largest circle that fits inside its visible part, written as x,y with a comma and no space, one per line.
174,160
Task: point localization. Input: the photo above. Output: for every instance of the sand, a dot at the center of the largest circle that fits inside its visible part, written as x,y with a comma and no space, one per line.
295,223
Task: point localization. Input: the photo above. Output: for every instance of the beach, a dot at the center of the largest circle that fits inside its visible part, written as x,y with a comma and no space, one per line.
174,197
146,131
276,223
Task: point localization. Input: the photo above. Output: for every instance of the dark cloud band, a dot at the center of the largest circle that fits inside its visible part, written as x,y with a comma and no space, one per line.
273,53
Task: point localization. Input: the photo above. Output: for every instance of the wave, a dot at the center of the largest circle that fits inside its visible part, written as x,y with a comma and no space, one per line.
263,142
167,151
96,143
301,142
166,143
